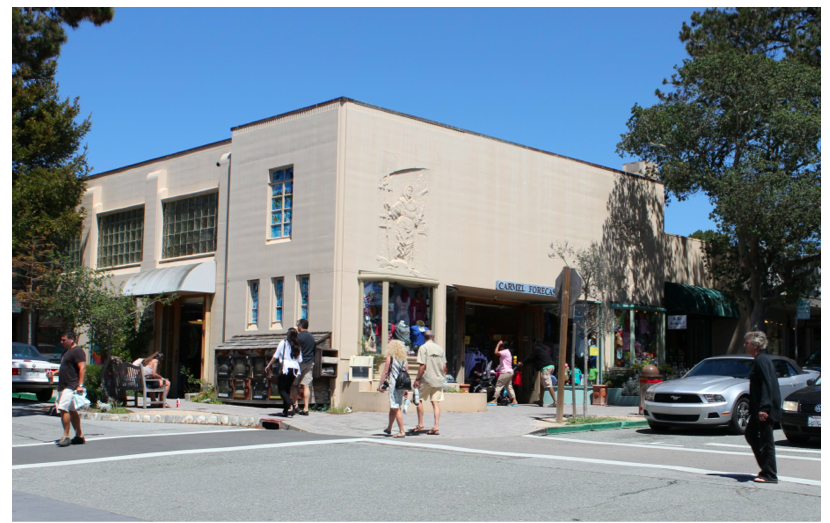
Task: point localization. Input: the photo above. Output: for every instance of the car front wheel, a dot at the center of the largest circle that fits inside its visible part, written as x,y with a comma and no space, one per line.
740,416
44,395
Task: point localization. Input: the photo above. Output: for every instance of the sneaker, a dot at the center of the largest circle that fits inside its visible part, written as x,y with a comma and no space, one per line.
78,440
64,442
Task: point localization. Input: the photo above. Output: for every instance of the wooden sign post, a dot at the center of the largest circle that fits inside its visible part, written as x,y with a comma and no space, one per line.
564,304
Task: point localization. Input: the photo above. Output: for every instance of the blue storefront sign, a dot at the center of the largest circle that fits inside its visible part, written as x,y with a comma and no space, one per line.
525,288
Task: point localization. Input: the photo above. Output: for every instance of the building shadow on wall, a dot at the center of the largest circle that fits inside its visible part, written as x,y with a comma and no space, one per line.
632,239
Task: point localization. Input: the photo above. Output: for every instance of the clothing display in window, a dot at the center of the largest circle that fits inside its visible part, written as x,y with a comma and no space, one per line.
418,309
402,303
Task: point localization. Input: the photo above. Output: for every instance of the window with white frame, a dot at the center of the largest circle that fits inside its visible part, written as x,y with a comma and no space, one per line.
189,225
120,238
253,302
303,283
281,190
279,288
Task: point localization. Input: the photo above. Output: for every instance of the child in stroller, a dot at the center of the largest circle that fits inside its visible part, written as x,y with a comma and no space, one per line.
483,380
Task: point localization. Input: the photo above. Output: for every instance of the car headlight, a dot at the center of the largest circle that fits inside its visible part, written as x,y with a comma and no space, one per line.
791,406
649,395
714,398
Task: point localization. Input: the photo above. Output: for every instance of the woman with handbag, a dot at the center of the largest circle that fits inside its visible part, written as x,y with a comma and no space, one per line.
288,357
395,379
505,370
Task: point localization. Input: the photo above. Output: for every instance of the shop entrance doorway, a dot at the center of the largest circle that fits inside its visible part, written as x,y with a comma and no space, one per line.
182,343
480,325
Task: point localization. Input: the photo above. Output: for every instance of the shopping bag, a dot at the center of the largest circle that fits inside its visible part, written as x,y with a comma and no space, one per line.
517,378
80,400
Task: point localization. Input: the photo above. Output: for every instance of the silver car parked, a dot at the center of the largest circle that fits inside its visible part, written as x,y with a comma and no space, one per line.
715,392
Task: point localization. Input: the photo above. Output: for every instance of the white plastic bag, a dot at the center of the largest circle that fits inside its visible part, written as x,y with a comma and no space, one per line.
80,400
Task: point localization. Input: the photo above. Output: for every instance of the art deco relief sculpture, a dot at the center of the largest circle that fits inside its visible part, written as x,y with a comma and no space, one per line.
403,222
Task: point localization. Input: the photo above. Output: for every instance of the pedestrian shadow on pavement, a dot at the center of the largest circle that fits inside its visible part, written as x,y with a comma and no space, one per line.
742,478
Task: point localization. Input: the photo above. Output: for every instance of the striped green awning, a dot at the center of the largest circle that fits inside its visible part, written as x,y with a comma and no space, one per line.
689,299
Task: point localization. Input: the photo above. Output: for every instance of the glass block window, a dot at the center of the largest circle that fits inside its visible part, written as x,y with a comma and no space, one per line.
279,287
190,226
303,297
120,238
281,189
253,289
74,252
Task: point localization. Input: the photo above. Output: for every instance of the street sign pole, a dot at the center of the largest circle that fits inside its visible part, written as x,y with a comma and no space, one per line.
564,304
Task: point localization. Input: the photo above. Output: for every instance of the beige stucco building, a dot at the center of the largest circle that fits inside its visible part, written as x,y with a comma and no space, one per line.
360,218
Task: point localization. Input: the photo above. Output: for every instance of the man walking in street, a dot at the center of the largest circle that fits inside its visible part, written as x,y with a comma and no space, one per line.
764,407
430,380
305,377
72,372
542,362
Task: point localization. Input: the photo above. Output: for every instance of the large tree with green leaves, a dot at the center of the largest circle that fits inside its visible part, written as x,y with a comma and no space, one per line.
741,123
48,167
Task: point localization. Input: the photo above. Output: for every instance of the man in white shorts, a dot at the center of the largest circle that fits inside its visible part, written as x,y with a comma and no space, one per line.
432,370
72,372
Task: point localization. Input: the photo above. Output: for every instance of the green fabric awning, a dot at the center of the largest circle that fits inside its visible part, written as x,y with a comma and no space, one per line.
688,299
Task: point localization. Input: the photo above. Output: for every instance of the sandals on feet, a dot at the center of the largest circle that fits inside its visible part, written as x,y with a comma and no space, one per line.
432,432
388,432
416,430
764,480
401,435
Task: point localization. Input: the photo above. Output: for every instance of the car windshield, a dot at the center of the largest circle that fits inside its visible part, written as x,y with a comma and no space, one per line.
737,368
26,352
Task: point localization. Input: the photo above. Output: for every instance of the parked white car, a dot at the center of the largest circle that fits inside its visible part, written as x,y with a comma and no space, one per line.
29,371
715,392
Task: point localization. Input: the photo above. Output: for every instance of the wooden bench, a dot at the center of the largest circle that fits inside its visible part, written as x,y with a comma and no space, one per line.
129,377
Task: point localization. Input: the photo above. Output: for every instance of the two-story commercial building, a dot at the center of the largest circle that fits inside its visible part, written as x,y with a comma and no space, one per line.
376,225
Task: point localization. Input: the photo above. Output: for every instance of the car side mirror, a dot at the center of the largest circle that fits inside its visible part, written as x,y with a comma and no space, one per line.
810,383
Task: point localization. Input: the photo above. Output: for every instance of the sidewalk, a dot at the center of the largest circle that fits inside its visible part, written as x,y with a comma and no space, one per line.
496,422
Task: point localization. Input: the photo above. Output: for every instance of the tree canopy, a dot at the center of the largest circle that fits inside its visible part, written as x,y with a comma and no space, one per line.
48,169
744,127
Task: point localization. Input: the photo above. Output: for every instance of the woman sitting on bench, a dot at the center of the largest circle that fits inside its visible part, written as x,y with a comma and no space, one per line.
149,367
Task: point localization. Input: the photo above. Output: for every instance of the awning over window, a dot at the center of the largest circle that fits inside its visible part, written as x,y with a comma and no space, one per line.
688,299
197,277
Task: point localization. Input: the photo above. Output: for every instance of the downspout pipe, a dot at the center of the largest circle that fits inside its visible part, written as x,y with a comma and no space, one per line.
222,159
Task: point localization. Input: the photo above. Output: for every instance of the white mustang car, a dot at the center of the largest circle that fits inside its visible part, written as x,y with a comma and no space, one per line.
715,392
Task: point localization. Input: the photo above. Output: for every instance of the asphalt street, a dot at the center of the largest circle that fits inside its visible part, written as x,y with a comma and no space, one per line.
163,472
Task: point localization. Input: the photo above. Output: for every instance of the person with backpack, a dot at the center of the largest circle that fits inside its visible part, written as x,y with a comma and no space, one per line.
288,358
394,379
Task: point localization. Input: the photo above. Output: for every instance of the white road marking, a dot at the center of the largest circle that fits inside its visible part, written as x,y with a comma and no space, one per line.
666,444
139,436
777,449
429,446
646,446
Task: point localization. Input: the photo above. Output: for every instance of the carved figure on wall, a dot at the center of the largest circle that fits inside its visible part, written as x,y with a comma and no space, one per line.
404,221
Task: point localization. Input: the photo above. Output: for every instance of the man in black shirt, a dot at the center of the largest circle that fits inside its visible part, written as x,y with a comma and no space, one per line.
542,362
304,378
72,372
764,407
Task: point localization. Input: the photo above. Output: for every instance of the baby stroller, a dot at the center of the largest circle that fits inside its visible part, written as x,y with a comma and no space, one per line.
483,380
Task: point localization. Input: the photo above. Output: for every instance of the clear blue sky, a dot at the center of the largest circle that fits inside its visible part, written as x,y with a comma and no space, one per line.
157,81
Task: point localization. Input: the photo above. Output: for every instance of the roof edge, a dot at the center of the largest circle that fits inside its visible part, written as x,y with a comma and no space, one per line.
159,159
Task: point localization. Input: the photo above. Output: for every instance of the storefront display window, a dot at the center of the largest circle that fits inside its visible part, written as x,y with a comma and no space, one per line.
638,336
408,315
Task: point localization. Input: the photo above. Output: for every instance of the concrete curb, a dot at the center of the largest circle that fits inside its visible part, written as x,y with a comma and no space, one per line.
190,419
605,425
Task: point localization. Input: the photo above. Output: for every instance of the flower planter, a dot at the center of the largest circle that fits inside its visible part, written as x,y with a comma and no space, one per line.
615,397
